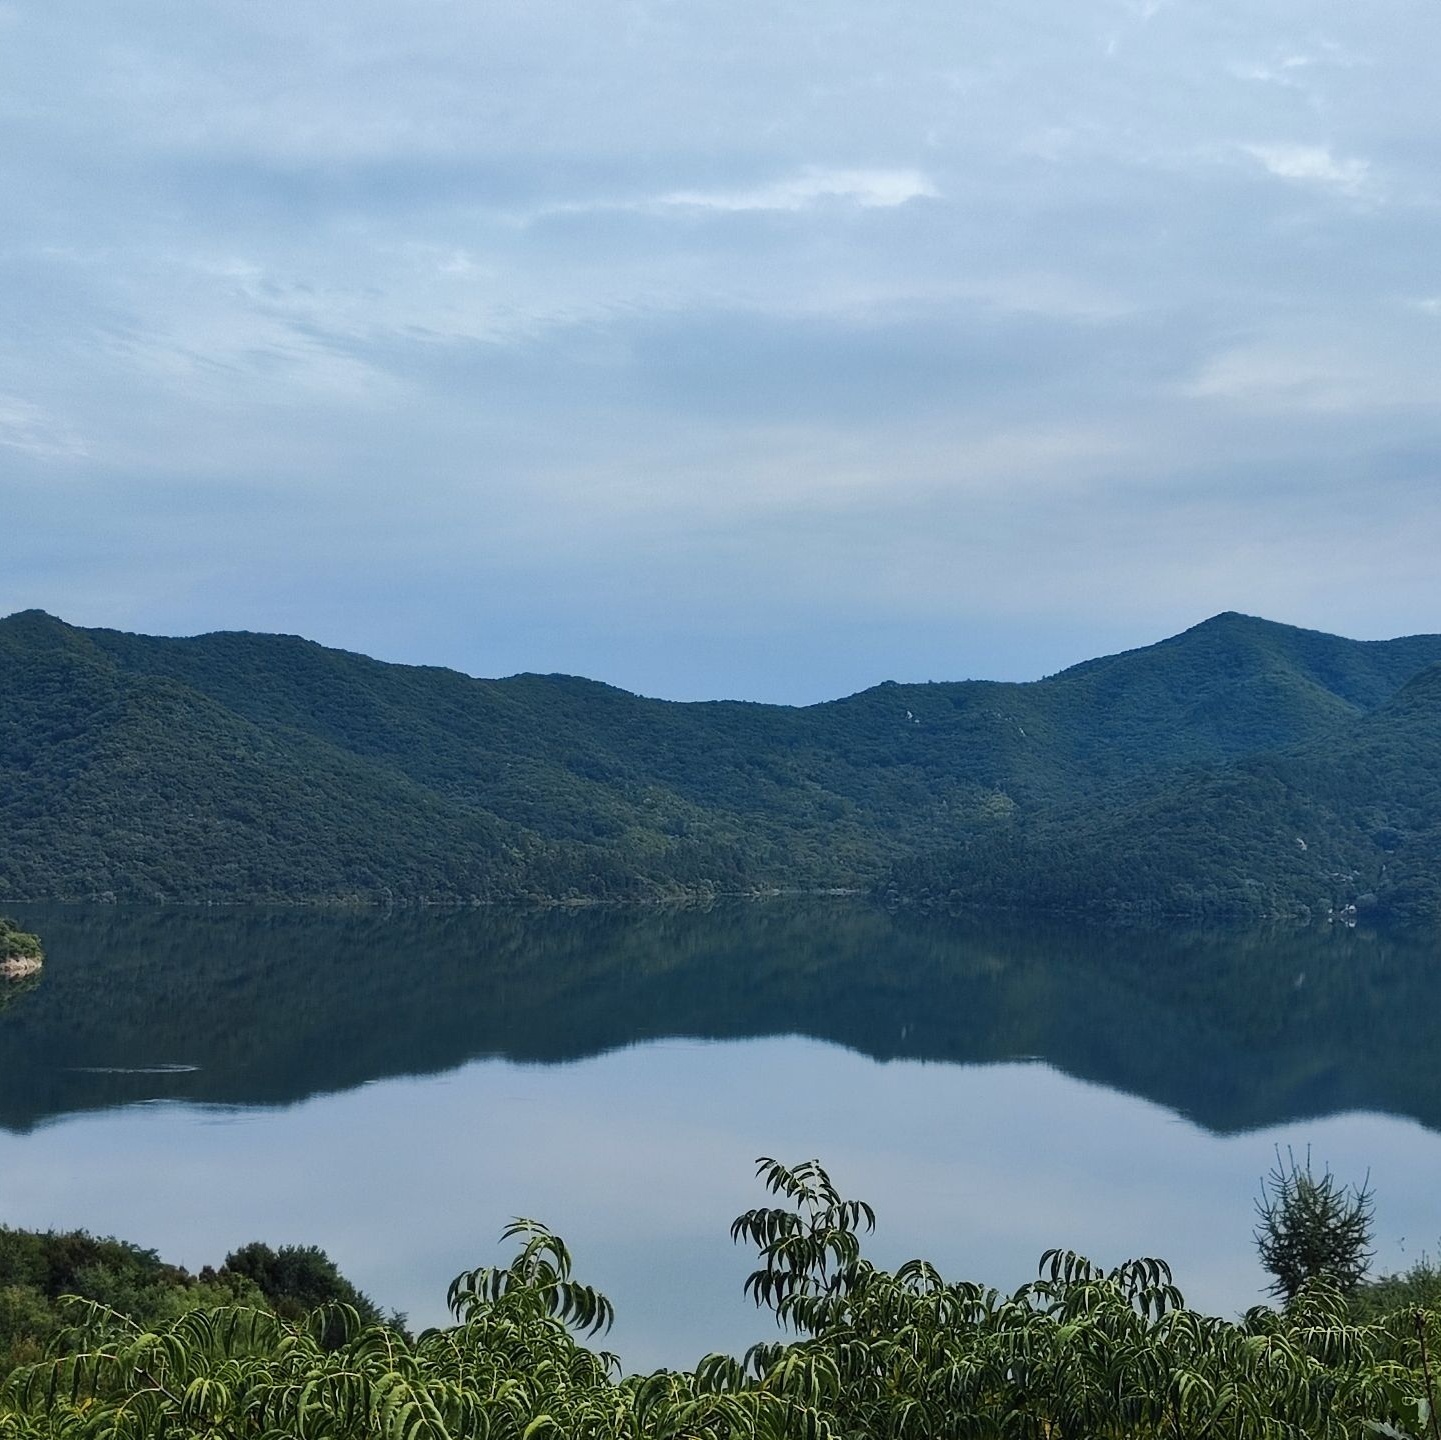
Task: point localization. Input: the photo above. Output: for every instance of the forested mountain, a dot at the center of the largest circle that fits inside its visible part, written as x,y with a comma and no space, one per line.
1348,819
240,766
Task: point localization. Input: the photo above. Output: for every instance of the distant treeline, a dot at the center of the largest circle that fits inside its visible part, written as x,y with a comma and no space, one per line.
1240,769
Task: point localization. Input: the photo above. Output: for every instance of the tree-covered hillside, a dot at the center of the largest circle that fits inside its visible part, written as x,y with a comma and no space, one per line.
242,767
1348,823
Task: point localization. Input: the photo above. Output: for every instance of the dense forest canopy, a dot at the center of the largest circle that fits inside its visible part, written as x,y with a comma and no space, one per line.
1242,768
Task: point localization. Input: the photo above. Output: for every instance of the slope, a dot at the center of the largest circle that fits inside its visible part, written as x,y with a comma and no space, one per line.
255,766
1349,822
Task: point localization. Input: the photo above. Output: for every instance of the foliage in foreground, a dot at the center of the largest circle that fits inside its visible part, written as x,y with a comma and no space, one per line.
1080,1352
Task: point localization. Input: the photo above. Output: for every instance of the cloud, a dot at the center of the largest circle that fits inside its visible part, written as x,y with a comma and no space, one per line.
1297,69
519,300
1262,377
1319,379
805,190
27,428
1280,74
1288,69
867,189
1312,165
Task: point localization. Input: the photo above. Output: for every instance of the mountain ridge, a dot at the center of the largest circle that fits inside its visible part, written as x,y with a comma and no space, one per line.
238,765
36,620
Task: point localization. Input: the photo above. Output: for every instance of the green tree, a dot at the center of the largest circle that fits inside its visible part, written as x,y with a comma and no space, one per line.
1312,1228
297,1279
17,944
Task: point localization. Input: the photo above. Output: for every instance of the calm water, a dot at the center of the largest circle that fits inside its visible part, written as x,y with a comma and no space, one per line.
394,1088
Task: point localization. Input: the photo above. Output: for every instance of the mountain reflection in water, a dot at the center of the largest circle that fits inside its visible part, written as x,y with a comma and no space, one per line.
266,1007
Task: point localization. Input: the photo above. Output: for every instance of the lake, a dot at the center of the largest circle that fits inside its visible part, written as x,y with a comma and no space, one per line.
396,1086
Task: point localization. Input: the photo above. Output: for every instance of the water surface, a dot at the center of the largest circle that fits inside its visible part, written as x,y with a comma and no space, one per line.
395,1087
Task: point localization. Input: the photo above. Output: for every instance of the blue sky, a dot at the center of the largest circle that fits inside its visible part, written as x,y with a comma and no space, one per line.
764,350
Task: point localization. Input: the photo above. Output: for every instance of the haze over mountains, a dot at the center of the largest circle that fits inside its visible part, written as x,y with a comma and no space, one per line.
1240,769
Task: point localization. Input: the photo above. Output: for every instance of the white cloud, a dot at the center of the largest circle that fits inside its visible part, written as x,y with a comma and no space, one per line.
28,428
1311,165
1263,375
806,190
1277,378
1262,74
1287,67
1281,72
868,189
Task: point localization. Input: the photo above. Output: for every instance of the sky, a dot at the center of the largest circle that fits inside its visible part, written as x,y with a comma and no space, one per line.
721,349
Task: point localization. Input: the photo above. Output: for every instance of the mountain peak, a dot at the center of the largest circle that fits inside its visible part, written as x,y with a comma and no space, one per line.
1232,620
32,617
37,628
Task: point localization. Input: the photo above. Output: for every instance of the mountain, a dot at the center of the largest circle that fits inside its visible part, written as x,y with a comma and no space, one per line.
1347,821
238,767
